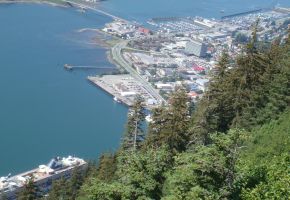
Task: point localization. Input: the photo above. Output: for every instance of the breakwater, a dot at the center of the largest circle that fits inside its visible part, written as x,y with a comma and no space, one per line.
241,13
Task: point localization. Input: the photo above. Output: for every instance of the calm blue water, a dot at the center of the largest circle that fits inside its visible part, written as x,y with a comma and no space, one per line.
46,111
142,10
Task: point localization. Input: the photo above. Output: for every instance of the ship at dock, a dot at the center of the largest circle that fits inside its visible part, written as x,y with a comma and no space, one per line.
43,176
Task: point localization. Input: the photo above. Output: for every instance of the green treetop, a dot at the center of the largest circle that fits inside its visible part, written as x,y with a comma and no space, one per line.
135,126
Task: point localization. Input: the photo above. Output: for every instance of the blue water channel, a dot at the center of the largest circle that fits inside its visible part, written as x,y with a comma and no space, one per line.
142,10
47,111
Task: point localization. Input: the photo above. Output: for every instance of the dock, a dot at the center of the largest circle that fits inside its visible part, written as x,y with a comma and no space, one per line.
71,67
107,83
124,88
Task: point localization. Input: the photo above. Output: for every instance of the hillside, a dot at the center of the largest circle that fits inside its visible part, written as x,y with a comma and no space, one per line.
233,144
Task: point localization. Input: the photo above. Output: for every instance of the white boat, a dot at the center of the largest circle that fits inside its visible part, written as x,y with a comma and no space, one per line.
117,100
148,118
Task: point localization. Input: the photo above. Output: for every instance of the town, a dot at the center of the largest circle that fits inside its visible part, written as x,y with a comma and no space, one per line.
172,51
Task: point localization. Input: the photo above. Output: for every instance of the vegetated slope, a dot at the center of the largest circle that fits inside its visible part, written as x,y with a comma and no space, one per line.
229,168
234,146
264,165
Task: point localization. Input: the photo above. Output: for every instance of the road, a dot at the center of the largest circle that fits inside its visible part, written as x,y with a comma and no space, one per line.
117,56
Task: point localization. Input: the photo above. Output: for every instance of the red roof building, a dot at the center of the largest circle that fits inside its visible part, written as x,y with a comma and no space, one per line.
145,31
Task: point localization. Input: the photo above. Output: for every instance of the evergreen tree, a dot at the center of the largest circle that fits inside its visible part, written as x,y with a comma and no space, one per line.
159,118
91,169
237,97
106,167
208,171
135,134
140,175
30,191
213,112
263,164
170,125
3,196
75,183
60,190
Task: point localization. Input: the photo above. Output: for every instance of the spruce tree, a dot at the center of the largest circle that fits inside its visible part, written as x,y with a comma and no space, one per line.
107,167
75,183
170,125
29,191
3,196
135,126
213,112
60,190
159,119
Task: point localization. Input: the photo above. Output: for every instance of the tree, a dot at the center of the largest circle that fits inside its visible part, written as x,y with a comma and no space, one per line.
106,167
30,191
75,183
59,190
208,171
223,65
214,112
140,175
143,172
3,196
253,91
276,182
262,168
170,125
63,189
95,189
135,134
241,38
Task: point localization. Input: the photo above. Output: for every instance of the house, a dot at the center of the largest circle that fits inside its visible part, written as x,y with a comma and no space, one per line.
192,95
165,72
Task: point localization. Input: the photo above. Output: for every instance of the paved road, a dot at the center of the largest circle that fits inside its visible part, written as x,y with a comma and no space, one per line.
117,56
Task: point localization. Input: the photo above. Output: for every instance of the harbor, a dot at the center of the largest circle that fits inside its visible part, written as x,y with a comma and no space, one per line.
39,95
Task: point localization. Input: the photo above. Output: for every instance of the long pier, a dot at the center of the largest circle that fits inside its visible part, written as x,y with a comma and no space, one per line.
242,13
71,67
83,6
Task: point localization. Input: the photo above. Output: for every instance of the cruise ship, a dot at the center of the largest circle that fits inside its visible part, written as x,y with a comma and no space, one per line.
43,176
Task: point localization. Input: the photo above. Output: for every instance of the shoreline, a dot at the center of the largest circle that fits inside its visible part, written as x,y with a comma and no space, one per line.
55,3
99,40
97,82
50,3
